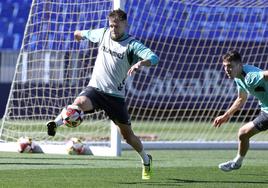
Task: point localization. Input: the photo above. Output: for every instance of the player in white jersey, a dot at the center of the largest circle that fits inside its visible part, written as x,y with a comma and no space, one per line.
119,55
249,80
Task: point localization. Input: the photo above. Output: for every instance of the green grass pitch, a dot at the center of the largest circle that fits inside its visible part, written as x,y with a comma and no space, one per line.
171,168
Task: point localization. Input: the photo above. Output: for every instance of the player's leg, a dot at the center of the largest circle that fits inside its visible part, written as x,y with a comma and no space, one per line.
129,136
119,114
134,141
82,102
116,109
244,134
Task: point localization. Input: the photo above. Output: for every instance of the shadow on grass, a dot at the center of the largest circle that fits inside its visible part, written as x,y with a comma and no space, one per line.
41,164
181,182
213,181
33,156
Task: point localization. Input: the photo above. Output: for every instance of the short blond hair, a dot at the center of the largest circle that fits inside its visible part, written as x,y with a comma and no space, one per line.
118,15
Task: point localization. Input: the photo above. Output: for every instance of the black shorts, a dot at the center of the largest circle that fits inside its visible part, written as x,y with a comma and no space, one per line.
115,107
261,121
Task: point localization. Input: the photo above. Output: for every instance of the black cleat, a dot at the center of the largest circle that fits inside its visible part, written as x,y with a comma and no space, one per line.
51,128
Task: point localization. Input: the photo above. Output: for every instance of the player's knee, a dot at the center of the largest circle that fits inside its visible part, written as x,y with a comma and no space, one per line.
83,103
243,134
79,101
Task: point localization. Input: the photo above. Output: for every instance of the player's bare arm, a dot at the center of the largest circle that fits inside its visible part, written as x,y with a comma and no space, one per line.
137,66
238,103
77,35
265,75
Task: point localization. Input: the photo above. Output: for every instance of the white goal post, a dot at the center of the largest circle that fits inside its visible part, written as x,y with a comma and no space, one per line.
171,105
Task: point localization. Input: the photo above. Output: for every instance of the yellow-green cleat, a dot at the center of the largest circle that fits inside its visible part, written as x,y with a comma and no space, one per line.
147,169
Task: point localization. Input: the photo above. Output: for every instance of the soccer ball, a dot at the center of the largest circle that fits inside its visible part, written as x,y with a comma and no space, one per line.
72,116
75,147
25,145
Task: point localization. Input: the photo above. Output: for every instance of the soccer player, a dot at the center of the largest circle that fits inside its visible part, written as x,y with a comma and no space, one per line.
119,55
249,80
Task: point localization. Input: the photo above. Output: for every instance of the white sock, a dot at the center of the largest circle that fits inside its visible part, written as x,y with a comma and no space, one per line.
144,157
238,159
58,120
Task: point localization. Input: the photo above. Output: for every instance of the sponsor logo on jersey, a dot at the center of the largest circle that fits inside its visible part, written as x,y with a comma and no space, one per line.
113,53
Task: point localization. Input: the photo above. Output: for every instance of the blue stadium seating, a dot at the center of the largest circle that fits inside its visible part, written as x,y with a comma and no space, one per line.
8,10
4,23
13,17
18,26
9,42
221,23
23,11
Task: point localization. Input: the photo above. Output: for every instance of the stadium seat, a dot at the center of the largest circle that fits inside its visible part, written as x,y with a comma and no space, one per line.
4,25
216,17
23,11
8,42
1,41
11,42
19,26
13,17
8,10
249,18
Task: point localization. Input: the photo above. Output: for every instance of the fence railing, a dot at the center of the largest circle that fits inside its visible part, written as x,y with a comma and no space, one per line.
8,61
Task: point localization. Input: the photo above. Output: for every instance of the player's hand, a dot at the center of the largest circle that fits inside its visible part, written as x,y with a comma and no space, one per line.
220,120
134,68
77,35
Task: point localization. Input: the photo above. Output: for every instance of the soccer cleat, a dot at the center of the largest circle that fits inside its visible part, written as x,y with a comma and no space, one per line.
51,128
229,166
147,169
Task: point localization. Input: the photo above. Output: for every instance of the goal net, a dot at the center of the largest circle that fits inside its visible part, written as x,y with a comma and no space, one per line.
179,99
172,103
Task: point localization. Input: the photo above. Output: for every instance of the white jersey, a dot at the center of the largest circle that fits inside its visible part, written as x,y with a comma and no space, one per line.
114,59
111,66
